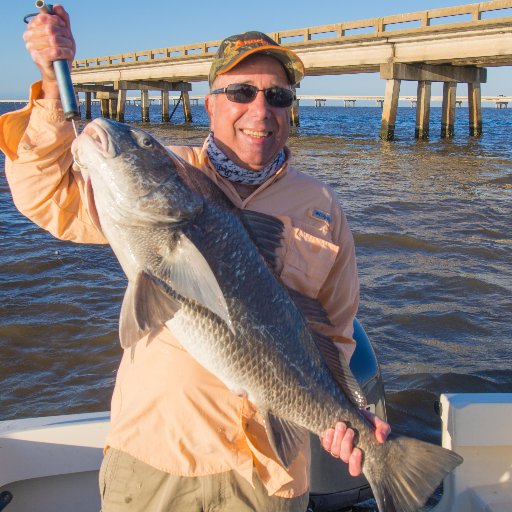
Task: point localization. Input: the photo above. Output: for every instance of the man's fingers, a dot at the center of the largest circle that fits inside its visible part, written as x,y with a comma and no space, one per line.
355,462
46,20
347,445
382,428
326,439
47,56
337,442
62,14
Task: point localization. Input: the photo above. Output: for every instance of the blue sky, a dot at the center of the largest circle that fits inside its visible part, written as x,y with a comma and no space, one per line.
111,26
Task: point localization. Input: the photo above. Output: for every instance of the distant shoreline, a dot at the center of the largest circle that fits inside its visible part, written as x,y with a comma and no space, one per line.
464,106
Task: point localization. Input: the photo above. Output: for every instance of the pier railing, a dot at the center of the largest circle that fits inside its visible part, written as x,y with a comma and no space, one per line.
442,19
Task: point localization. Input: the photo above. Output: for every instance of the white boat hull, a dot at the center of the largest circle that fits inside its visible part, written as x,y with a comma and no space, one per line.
51,464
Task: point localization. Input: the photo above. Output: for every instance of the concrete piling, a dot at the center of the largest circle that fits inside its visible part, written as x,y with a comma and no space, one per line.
425,74
423,109
144,106
475,109
187,111
165,106
389,109
121,105
104,108
88,105
448,109
294,114
112,108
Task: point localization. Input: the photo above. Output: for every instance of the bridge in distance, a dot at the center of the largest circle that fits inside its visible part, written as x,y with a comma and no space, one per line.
449,45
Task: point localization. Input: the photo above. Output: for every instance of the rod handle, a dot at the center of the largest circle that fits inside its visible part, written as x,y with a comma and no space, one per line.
63,75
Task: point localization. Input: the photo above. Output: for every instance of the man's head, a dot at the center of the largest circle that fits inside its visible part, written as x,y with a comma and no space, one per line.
250,126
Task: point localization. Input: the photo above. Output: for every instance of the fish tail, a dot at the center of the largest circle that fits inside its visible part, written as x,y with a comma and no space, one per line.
404,472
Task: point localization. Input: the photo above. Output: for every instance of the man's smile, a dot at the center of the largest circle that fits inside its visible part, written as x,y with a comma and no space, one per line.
256,133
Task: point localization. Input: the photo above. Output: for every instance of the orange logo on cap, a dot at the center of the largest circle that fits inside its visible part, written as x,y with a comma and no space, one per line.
249,41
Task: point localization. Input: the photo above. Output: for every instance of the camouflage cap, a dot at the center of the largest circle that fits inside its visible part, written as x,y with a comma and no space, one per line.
236,48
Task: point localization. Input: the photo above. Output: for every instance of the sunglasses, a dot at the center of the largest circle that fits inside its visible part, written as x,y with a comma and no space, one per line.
245,93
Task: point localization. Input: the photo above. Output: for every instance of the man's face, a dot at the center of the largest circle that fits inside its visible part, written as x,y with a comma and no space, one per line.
250,134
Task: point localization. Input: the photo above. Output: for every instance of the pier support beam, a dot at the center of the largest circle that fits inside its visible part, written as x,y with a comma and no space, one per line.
112,108
294,111
475,109
108,102
88,105
387,126
158,85
187,111
165,106
144,106
423,109
426,73
294,114
121,105
448,109
104,108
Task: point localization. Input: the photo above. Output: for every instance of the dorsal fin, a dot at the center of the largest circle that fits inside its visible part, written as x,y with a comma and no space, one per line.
266,232
312,310
340,369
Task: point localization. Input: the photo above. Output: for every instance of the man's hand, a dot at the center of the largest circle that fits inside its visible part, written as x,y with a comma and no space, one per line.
339,442
48,38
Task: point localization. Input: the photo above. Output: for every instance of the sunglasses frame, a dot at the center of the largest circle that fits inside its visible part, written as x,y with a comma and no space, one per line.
230,94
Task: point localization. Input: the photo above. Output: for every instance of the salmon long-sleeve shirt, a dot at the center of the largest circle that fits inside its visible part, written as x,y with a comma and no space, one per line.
167,410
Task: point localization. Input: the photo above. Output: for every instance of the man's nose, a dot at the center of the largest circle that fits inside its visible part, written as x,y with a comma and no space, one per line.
260,102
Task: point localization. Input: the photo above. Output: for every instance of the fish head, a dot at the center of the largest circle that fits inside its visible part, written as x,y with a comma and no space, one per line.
130,176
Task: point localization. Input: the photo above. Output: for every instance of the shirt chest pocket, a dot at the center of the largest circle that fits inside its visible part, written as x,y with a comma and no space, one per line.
307,261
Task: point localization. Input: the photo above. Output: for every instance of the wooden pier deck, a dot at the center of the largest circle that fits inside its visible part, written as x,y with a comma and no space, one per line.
449,45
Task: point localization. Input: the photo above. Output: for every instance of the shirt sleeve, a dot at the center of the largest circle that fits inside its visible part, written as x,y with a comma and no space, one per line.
39,169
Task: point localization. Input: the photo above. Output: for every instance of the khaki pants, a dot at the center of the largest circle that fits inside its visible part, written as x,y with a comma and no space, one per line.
129,485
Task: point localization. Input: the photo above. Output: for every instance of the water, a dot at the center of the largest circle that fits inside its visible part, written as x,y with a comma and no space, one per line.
431,221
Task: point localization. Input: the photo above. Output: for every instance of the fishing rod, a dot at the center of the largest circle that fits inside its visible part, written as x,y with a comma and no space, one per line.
61,69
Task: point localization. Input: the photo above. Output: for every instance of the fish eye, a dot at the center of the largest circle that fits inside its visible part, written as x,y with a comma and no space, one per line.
142,139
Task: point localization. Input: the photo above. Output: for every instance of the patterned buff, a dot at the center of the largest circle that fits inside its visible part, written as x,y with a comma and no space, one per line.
233,172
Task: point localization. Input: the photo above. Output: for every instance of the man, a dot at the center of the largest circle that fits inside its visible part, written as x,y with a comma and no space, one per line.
179,439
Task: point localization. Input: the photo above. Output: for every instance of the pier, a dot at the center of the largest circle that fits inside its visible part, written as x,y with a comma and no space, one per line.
452,45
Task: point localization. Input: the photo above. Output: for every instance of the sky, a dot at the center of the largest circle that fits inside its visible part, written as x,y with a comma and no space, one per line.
111,27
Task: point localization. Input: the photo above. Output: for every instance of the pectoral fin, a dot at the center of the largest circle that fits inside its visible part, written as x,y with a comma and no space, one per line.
145,307
286,438
187,272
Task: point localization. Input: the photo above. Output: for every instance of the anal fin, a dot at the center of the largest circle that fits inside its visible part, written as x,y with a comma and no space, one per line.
286,438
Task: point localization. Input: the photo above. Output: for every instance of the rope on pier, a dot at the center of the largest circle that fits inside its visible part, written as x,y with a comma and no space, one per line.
176,106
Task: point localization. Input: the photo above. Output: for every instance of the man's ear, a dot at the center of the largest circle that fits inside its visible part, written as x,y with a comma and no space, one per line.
209,105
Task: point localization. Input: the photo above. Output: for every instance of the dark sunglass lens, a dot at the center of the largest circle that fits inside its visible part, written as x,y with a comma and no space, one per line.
241,93
279,97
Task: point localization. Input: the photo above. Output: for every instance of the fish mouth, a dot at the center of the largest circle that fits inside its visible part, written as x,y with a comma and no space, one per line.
100,136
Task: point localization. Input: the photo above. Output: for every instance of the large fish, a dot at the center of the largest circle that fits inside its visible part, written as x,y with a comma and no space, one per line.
190,256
